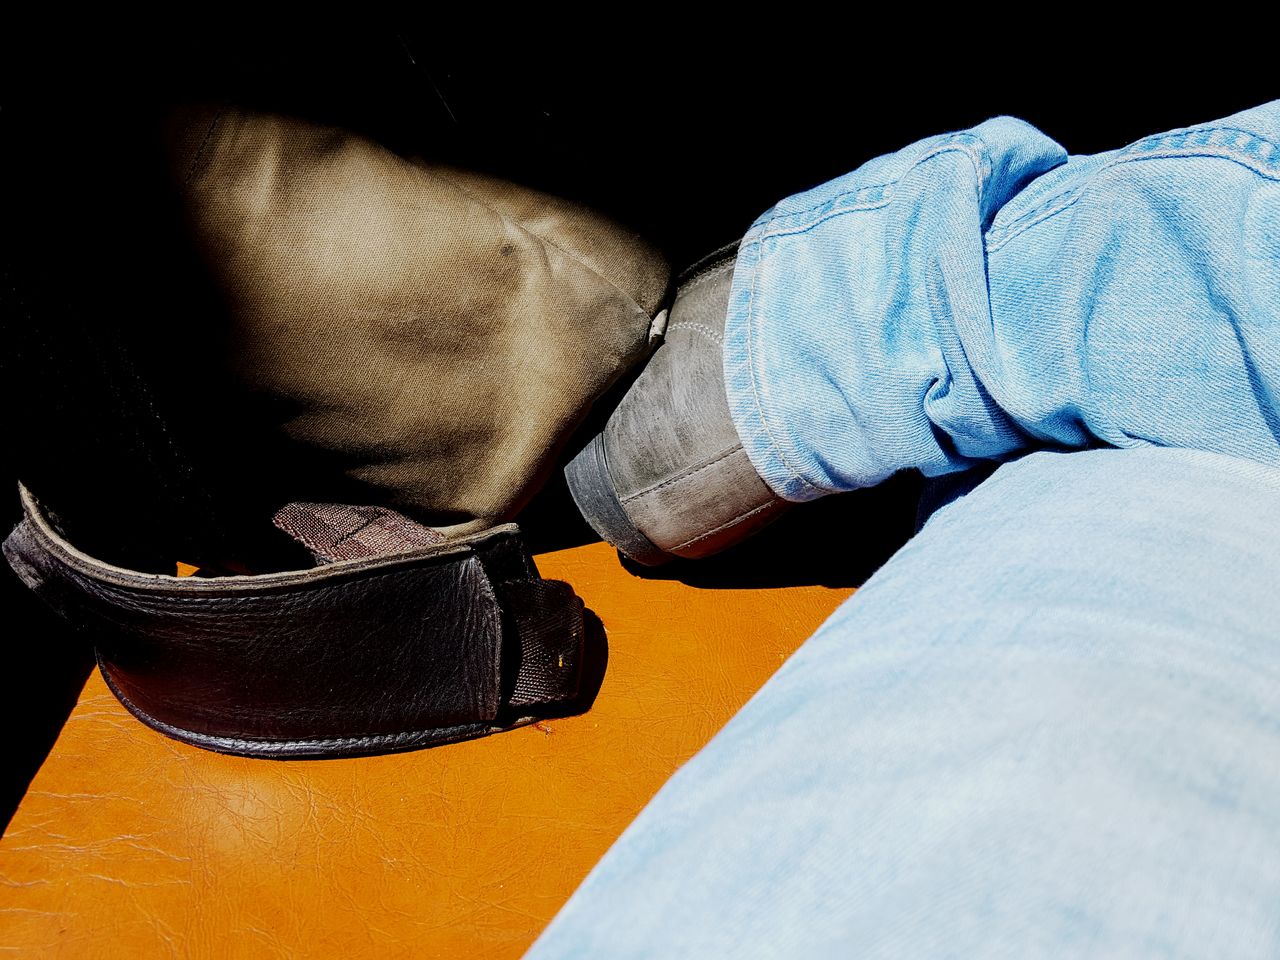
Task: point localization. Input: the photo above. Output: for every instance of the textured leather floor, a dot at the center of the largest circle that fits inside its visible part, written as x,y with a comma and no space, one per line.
132,845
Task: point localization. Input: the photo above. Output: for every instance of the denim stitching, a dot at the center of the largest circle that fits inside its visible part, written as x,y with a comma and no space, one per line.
831,215
971,146
876,195
1160,147
965,143
981,167
751,374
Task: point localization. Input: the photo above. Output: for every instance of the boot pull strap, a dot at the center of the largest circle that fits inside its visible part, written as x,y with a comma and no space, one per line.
339,531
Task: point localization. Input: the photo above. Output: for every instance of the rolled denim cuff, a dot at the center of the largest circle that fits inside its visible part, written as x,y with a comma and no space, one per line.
843,358
768,446
980,294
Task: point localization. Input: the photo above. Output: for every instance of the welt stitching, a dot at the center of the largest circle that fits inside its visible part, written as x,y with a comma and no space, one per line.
714,259
279,591
268,584
357,739
736,520
684,476
701,328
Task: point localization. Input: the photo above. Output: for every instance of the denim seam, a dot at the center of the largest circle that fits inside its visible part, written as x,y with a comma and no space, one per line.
876,195
1153,148
972,147
757,244
830,215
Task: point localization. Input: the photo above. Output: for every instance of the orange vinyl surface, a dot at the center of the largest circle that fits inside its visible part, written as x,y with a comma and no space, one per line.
129,844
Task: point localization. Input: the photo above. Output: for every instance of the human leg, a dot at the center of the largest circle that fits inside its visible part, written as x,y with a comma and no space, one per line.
970,297
981,293
1047,727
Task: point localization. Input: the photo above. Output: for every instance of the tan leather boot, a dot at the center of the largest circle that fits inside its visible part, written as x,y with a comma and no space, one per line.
437,331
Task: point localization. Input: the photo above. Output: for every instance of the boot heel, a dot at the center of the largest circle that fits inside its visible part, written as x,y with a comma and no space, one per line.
597,499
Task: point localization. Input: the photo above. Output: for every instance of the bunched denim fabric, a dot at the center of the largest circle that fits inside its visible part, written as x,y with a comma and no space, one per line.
1050,725
981,293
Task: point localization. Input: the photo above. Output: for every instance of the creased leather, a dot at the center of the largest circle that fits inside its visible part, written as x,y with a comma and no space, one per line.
437,332
352,657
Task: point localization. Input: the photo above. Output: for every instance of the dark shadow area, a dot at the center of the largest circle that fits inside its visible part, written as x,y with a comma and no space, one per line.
552,521
837,541
595,662
943,491
47,664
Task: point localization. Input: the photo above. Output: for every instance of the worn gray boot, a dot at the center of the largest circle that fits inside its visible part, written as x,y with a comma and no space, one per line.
667,476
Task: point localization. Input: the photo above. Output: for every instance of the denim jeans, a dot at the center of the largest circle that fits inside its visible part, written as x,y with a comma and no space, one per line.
982,293
1050,725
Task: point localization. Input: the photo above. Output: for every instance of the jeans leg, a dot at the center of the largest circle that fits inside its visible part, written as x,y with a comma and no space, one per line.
1048,727
982,293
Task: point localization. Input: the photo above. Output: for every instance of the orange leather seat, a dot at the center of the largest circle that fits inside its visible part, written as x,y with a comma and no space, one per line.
132,845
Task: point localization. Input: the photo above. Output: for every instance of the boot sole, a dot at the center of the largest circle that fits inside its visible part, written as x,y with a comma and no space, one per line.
597,500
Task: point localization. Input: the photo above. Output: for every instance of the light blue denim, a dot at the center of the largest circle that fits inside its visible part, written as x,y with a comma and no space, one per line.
981,293
1050,725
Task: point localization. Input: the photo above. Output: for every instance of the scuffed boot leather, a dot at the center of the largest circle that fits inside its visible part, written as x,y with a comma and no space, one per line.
668,476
